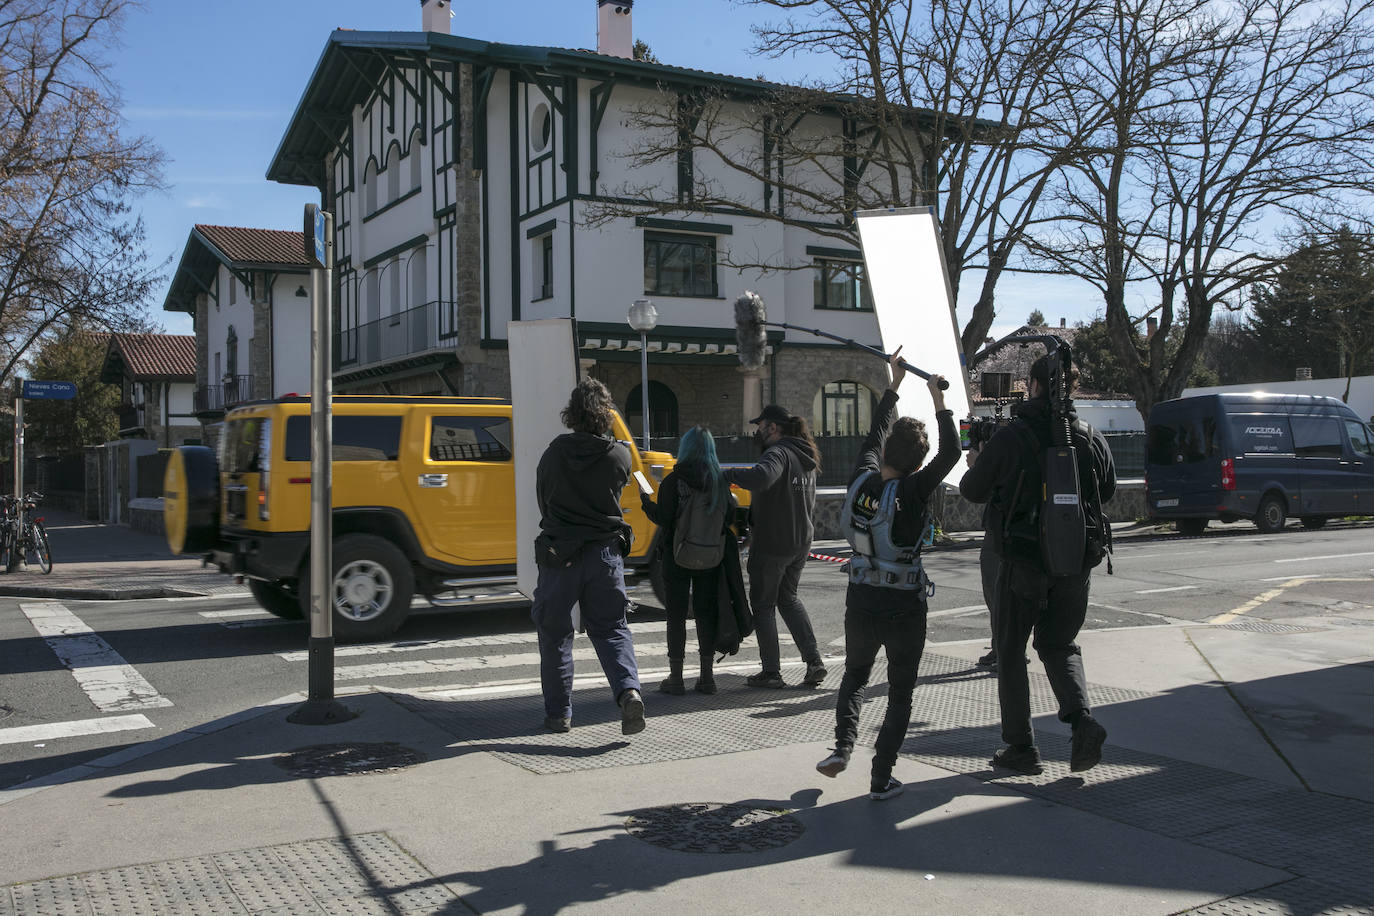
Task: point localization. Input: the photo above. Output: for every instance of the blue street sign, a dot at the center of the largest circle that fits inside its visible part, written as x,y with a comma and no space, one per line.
319,239
51,391
314,236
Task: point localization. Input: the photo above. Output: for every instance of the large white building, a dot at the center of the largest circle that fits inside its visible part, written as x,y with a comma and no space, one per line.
475,183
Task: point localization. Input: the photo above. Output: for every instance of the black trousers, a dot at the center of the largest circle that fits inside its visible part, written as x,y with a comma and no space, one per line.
988,564
1029,602
904,639
697,592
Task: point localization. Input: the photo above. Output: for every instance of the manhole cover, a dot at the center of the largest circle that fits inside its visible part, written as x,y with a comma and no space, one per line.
709,827
348,759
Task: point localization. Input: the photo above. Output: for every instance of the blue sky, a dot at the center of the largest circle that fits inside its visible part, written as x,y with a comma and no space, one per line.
214,85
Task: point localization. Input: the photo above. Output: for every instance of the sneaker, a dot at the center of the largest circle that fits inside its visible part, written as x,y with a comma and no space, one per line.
1085,750
1024,760
673,686
706,685
815,674
631,712
770,679
835,764
557,723
890,789
988,661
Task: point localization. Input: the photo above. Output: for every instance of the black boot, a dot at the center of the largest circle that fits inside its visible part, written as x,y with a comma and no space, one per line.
706,681
673,682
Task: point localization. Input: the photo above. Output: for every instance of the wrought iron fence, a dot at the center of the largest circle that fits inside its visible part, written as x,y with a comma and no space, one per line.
236,389
414,330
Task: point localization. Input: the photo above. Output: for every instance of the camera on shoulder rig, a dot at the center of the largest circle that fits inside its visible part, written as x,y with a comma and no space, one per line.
975,431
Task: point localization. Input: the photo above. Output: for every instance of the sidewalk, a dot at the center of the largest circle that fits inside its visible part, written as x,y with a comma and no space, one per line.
1235,780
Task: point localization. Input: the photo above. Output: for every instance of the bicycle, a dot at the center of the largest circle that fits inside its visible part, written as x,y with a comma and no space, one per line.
23,537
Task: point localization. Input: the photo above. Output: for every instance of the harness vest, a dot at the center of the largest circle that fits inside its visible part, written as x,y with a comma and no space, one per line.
877,559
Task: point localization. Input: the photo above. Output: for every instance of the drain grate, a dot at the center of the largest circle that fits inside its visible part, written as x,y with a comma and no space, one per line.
714,828
1255,626
348,759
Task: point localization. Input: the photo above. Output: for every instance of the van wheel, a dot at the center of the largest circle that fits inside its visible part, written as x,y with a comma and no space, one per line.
1191,526
372,587
276,600
1313,522
1272,515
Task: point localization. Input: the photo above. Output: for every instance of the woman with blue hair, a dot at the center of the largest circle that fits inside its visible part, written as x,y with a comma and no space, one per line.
694,494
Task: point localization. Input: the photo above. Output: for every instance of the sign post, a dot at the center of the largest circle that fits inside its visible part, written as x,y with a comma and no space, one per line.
28,389
321,708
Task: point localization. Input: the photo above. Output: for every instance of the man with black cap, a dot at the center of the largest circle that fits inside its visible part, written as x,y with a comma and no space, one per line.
1007,474
783,488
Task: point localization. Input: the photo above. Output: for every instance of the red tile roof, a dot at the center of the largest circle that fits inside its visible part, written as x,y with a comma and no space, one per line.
168,357
256,246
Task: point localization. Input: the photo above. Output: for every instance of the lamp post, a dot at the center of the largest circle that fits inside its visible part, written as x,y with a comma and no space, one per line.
642,318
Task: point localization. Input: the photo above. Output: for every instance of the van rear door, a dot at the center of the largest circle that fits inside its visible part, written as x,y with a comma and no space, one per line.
1183,459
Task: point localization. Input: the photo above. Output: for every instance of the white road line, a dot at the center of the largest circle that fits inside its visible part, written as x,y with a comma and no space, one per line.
23,734
112,684
958,611
1330,556
1176,588
1291,578
473,663
235,612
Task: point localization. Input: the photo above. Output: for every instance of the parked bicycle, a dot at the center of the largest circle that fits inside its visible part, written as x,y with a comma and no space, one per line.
22,535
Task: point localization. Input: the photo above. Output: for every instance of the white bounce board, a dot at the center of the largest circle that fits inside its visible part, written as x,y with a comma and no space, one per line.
915,310
543,363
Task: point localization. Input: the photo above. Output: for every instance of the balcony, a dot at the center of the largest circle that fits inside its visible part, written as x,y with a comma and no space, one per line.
219,398
414,331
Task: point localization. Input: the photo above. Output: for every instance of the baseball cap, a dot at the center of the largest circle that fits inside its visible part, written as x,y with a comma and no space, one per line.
773,414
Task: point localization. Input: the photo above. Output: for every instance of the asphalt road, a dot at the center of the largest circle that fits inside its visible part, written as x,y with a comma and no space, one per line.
137,670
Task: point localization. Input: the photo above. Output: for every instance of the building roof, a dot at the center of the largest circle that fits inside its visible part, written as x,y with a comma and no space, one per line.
1013,355
240,249
353,65
150,358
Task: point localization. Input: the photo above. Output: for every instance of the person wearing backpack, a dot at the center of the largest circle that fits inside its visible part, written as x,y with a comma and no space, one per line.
694,511
885,517
1009,475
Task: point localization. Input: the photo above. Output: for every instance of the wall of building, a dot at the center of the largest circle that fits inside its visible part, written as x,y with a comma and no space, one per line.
289,335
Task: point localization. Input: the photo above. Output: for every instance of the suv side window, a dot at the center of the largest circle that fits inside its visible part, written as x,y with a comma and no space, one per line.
356,438
469,439
1317,437
1359,437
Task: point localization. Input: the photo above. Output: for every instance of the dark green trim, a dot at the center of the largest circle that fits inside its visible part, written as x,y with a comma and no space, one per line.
599,97
542,229
515,155
682,225
572,264
570,138
397,202
844,254
395,250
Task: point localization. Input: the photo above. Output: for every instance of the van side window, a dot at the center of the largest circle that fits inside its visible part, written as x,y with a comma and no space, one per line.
1261,434
1317,437
469,439
355,438
1359,438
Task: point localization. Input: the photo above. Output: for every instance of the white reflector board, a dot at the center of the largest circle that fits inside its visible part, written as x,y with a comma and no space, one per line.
915,310
543,362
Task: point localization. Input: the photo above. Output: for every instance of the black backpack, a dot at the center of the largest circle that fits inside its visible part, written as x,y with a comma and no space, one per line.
1059,509
698,531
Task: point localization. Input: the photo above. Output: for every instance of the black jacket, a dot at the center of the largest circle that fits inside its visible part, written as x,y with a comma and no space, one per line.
913,496
783,498
663,513
578,485
992,479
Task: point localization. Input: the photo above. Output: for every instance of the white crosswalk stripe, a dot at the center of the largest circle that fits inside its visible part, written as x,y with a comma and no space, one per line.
112,684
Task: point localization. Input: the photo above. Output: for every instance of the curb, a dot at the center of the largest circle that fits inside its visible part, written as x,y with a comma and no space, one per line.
100,594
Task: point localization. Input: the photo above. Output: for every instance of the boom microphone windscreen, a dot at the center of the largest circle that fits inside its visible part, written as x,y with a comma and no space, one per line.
750,336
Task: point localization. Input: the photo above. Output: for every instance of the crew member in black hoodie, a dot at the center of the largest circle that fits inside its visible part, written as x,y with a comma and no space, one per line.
1028,599
580,552
783,488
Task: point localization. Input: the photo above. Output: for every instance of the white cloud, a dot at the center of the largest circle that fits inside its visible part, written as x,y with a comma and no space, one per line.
204,202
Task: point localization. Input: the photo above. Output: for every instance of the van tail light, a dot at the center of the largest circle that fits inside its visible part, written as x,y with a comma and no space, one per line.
1228,474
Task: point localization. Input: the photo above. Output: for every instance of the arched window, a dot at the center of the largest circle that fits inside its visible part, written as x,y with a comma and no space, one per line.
393,173
843,408
416,159
231,352
370,185
662,411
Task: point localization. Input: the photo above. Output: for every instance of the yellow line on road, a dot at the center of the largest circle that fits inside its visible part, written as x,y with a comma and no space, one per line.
1273,593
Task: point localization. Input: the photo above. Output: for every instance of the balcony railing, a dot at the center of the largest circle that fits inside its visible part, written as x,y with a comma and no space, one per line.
235,390
417,330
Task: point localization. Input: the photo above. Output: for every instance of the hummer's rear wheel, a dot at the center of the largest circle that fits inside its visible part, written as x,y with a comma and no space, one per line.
372,588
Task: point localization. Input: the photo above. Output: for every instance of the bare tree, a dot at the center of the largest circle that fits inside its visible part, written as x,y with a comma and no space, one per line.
70,247
940,104
1201,125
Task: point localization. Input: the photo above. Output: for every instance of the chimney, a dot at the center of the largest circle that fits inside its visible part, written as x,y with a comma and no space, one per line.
614,35
1304,374
1061,323
1151,325
435,16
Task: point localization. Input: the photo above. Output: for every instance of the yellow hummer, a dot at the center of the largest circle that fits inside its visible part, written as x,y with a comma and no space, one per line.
424,502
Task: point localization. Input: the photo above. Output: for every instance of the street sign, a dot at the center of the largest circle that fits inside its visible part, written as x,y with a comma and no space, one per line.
315,236
49,391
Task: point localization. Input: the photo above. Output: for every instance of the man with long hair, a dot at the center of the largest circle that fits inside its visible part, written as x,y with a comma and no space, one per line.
581,555
783,485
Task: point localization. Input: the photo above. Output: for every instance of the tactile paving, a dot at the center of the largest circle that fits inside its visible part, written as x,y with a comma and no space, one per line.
1299,897
351,875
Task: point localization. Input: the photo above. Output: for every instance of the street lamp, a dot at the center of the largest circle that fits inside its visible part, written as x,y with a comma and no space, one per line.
642,318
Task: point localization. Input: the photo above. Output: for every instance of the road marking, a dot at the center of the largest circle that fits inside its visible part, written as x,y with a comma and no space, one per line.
112,683
24,734
473,663
1329,556
958,611
235,612
1291,578
1255,602
1157,591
